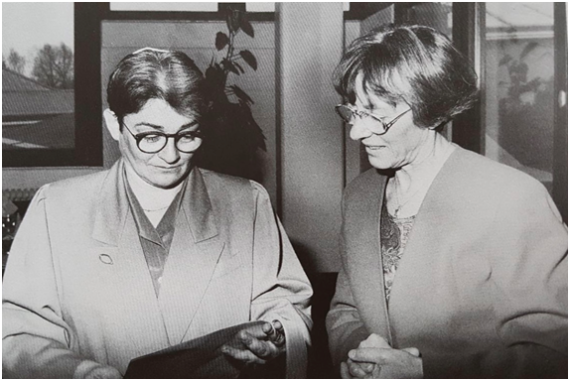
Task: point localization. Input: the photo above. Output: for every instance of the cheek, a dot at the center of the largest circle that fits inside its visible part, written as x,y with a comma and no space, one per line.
133,154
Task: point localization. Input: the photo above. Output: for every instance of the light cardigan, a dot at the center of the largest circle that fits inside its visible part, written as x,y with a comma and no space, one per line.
482,287
77,291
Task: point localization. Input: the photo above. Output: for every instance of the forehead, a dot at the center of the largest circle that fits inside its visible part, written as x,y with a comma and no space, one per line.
158,112
365,98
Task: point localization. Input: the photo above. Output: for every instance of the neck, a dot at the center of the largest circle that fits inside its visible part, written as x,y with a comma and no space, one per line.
410,184
426,164
149,196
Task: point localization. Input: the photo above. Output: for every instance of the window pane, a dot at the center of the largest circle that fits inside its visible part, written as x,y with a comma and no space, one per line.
435,15
37,76
519,70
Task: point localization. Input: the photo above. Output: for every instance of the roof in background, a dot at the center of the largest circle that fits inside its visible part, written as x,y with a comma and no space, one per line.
23,96
12,81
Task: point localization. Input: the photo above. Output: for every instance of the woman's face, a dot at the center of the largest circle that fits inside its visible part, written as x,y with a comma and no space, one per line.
398,147
168,167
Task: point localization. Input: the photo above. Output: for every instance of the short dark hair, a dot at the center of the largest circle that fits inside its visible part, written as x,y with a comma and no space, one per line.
410,63
153,73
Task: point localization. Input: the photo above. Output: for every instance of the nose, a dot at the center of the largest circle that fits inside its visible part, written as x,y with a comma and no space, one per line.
170,153
358,131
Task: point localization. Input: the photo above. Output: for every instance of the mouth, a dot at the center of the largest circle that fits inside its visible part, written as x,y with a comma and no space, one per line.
169,168
374,148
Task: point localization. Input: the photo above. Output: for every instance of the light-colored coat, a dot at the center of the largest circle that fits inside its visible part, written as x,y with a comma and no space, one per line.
482,287
77,288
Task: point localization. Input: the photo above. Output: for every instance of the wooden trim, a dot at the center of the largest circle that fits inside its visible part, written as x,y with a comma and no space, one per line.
560,147
467,28
278,114
88,103
31,157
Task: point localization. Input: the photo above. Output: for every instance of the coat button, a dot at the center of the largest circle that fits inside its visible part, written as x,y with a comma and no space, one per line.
106,259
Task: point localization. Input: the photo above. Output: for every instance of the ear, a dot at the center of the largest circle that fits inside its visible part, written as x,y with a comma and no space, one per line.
112,124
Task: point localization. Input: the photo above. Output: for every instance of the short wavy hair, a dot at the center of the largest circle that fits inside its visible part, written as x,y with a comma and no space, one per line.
154,73
410,63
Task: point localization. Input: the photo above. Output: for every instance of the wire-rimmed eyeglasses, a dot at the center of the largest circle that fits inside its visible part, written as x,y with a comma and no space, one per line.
155,141
379,127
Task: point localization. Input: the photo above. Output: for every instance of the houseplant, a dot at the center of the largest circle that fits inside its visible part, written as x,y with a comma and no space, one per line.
233,139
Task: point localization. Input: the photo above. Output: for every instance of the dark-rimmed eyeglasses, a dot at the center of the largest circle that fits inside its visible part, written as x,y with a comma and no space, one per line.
378,127
155,141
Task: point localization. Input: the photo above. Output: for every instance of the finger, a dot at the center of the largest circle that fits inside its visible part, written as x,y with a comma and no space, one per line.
257,330
367,366
261,348
245,356
344,371
268,329
412,351
374,355
356,370
277,324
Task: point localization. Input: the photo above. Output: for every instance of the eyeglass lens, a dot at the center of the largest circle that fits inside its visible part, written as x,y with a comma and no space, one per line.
154,143
348,115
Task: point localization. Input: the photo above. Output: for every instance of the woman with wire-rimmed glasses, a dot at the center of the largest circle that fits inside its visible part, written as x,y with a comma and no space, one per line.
154,252
452,265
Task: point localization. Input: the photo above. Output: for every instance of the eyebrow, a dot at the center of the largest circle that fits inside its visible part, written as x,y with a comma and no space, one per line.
161,128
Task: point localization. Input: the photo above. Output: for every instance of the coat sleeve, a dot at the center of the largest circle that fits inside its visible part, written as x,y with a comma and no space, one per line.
36,340
344,326
281,289
529,275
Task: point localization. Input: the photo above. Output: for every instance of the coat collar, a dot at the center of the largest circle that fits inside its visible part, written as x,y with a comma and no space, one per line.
114,206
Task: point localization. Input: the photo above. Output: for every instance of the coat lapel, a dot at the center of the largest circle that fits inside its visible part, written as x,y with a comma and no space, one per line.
364,263
417,273
113,207
133,292
194,253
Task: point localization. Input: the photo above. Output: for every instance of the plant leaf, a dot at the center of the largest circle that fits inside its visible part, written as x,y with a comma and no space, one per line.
230,21
233,20
249,58
242,95
239,67
527,49
230,66
222,40
246,26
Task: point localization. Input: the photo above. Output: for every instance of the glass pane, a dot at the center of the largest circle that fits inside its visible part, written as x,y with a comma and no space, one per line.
37,76
435,15
519,70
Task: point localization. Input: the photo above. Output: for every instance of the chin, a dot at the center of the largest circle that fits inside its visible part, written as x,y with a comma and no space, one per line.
380,164
166,182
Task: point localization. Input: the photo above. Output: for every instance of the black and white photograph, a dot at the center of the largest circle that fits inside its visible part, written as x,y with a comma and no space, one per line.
311,190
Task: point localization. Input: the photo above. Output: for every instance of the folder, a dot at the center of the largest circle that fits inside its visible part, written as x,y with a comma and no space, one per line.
198,358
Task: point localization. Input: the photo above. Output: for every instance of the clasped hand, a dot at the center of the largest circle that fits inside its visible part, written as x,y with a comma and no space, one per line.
375,358
257,344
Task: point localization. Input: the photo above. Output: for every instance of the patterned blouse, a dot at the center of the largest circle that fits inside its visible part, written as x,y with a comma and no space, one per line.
394,234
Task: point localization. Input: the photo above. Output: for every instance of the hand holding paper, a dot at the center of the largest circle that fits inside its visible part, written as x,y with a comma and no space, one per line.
257,344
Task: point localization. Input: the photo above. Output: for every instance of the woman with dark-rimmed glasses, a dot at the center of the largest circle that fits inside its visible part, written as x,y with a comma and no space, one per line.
452,265
153,252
